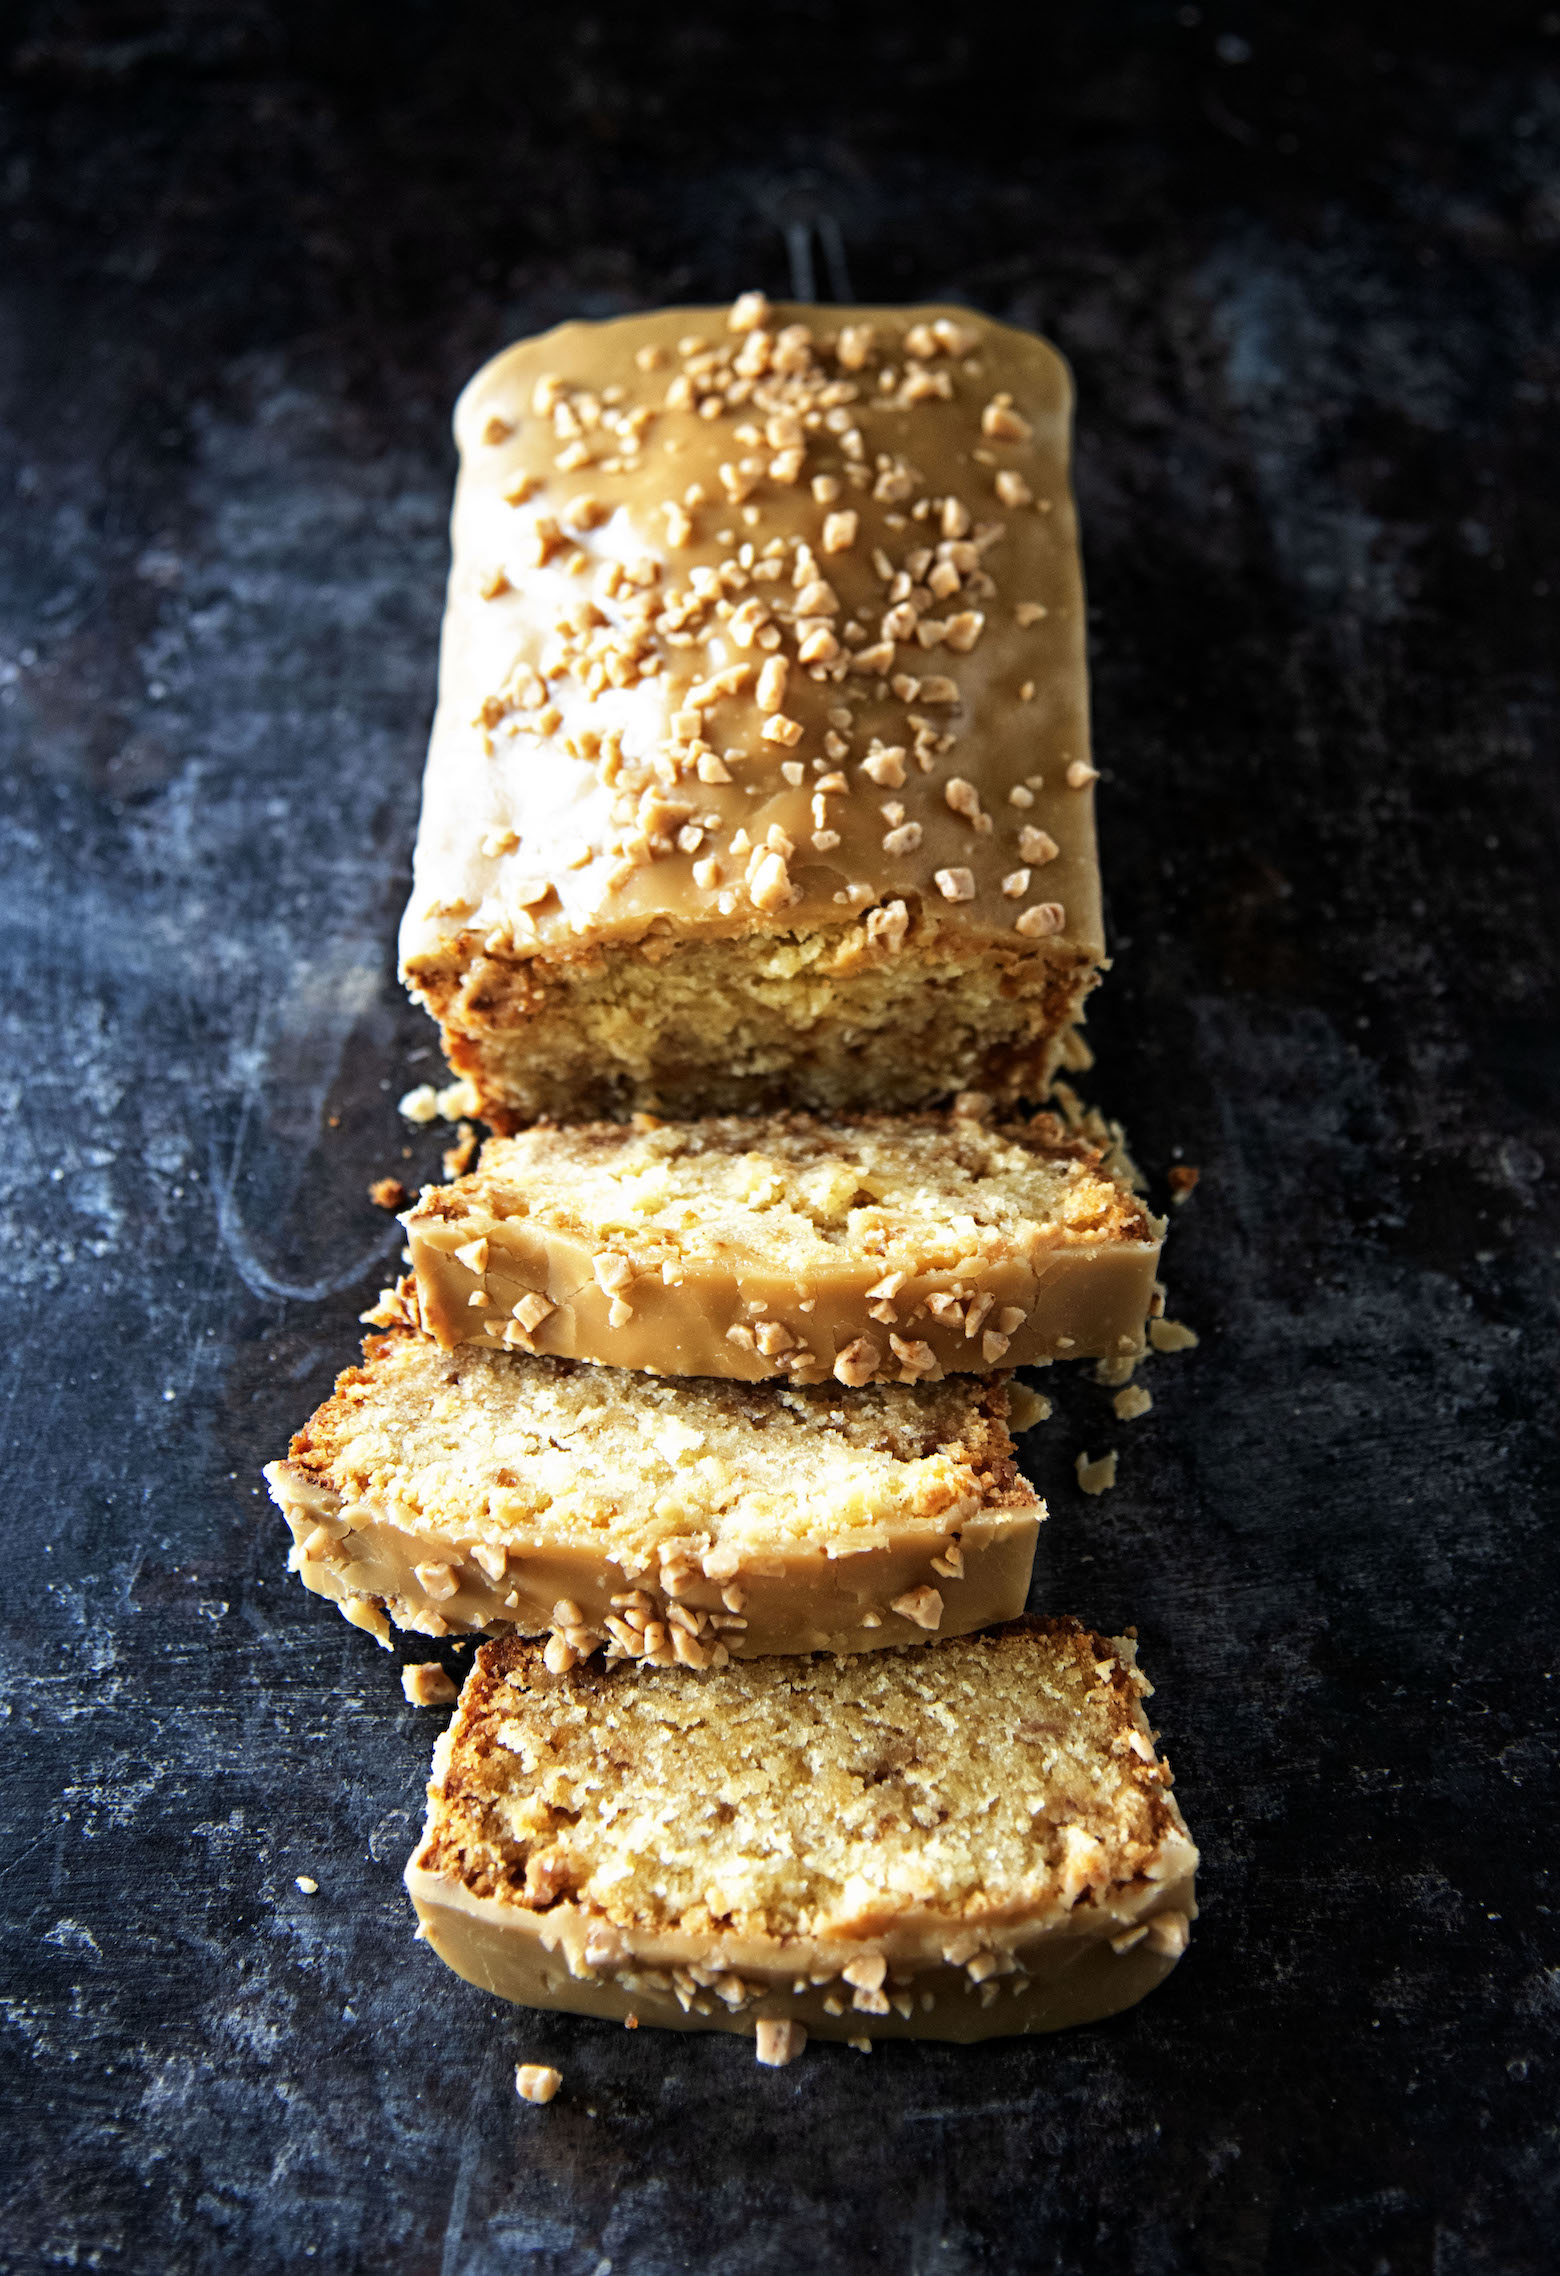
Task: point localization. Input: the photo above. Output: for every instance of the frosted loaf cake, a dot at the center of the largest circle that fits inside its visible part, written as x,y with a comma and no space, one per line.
676,1521
883,1249
760,773
958,1844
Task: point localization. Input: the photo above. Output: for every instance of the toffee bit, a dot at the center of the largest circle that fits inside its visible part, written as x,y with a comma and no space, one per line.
1040,922
890,923
1002,423
458,1158
778,2041
425,1684
923,1606
1097,1476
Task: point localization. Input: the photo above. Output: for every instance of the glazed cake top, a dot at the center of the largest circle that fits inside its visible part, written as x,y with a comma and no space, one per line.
761,618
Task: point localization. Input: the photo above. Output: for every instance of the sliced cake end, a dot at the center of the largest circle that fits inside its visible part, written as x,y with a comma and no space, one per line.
959,1844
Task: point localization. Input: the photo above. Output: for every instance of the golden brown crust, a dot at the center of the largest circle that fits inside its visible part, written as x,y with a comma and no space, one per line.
867,743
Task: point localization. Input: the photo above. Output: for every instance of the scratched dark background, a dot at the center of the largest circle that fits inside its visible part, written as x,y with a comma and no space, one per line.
1306,263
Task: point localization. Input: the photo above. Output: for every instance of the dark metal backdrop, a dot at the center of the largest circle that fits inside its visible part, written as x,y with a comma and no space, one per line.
1305,263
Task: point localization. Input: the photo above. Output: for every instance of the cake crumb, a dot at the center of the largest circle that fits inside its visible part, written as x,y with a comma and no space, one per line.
537,2082
1172,1335
457,1099
420,1105
1182,1181
388,1193
1132,1402
459,1157
426,1684
1098,1476
777,2042
1026,1407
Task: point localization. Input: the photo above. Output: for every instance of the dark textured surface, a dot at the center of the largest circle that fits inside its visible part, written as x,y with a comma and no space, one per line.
1305,263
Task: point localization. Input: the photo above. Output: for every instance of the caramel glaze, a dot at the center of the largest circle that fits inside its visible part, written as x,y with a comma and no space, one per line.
1080,1971
374,1561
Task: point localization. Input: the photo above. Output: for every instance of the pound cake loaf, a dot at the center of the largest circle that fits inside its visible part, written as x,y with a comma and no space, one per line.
680,1522
760,773
959,1844
878,1250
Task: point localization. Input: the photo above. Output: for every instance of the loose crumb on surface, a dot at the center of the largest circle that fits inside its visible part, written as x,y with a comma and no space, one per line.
1182,1181
420,1105
426,1684
537,2082
1027,1407
1132,1402
1099,1475
459,1157
308,1884
1172,1335
777,2042
388,1193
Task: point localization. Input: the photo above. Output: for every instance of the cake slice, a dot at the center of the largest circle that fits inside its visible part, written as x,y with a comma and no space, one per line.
760,773
885,1249
958,1844
680,1522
